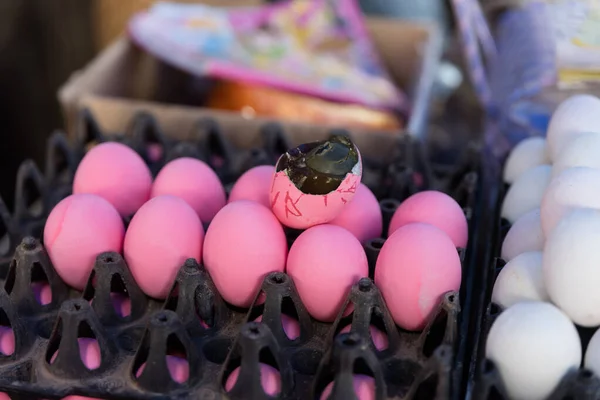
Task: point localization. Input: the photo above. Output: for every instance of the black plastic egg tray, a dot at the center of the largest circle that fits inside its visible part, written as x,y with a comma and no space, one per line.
485,382
194,322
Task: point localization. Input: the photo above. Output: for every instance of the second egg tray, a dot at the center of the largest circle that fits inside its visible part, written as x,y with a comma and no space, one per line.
194,321
485,382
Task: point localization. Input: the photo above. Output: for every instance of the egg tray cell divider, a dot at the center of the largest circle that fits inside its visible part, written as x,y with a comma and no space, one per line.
485,382
426,366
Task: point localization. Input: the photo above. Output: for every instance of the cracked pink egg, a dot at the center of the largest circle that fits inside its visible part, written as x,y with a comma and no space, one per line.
315,181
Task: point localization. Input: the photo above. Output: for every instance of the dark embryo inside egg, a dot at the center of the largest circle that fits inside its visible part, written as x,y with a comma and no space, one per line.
319,168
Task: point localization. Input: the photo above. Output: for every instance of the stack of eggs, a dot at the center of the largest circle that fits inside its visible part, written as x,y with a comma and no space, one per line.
314,188
551,279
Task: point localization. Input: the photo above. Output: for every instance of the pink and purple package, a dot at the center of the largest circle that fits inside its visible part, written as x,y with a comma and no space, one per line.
313,47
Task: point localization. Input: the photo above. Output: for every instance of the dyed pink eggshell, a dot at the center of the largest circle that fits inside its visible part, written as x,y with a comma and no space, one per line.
89,351
324,262
78,229
300,211
380,339
362,216
435,208
254,185
291,327
269,378
244,243
193,181
416,266
178,367
161,236
7,340
364,388
116,173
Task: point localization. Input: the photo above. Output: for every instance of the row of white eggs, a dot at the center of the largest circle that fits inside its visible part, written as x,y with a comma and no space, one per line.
551,281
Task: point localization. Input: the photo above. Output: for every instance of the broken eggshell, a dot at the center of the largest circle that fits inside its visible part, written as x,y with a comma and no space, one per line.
314,181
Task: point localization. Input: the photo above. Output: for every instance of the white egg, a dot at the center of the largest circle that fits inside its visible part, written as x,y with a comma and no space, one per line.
526,193
533,345
577,187
521,279
571,263
527,154
524,235
582,151
577,114
592,354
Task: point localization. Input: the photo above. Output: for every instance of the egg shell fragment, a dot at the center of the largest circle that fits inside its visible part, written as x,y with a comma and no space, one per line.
164,233
527,154
416,266
324,262
193,181
577,187
116,173
434,208
533,345
254,185
526,193
299,210
577,114
521,279
524,235
570,264
243,244
79,228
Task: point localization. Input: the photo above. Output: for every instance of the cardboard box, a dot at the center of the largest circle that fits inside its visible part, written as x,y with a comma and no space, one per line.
123,80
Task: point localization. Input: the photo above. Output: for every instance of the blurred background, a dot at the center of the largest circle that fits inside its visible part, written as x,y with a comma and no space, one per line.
43,42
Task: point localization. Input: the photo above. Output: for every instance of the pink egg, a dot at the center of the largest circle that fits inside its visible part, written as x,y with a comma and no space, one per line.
435,208
89,351
269,378
291,327
116,173
243,244
7,340
42,292
178,367
155,151
380,339
324,262
254,185
164,233
364,388
193,181
78,229
315,181
362,216
417,265
4,396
